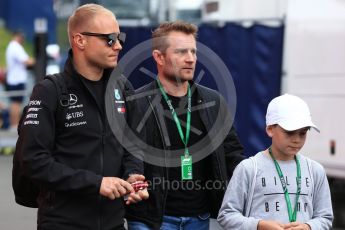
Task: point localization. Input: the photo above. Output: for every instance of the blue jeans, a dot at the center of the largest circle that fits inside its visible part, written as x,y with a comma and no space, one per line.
202,222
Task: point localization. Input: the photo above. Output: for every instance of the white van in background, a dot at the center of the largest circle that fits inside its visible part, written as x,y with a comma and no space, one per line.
314,67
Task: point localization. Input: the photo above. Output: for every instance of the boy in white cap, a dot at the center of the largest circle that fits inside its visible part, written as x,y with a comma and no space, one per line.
279,188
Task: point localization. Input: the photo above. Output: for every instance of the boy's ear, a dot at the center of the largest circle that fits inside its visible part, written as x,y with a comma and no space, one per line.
269,130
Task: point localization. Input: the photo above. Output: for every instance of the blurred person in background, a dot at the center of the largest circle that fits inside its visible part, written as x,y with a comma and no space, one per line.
17,61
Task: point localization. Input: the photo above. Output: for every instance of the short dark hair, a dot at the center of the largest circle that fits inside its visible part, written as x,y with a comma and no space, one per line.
18,32
159,34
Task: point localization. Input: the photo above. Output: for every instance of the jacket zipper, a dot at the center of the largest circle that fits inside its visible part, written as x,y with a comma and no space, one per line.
102,126
164,147
102,168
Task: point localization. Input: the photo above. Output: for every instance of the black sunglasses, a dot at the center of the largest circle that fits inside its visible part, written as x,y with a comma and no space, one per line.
111,38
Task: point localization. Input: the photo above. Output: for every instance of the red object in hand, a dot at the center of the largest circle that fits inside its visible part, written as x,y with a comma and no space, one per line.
139,185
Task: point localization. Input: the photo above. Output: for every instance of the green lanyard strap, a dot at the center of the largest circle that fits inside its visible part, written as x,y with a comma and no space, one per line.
292,215
184,138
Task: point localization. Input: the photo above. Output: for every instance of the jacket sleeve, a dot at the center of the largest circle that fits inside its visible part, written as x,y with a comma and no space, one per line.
233,149
133,157
36,143
231,212
322,205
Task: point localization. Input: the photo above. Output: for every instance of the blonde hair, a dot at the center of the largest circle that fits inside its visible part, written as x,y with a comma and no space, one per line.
159,41
83,15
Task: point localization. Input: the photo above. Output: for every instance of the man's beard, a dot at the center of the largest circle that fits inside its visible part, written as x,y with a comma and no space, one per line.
175,78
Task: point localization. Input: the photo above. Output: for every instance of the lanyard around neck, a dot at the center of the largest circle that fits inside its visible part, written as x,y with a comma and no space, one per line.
292,214
184,138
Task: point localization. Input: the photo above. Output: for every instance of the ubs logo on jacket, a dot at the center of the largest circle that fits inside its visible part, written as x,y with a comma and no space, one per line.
74,115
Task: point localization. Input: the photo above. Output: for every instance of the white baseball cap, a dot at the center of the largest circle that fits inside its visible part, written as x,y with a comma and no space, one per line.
289,112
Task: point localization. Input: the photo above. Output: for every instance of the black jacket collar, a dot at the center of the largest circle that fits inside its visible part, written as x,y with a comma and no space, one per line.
71,71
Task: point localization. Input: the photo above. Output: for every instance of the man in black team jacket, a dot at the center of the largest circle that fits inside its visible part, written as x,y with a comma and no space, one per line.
192,146
74,157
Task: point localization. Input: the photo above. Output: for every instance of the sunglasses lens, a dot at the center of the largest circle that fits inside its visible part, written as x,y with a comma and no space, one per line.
122,38
112,38
110,42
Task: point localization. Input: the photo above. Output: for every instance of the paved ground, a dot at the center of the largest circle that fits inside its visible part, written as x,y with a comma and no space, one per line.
12,216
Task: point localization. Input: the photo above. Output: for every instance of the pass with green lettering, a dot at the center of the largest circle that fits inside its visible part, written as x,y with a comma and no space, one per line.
186,167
